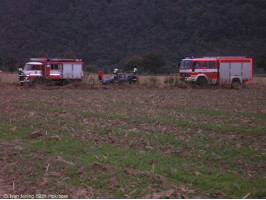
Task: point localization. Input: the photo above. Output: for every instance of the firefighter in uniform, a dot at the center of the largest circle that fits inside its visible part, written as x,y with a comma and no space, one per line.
21,76
134,77
115,74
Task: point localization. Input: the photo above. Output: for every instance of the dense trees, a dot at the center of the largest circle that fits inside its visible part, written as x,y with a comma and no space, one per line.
261,61
134,62
108,33
150,62
153,61
69,54
1,63
10,62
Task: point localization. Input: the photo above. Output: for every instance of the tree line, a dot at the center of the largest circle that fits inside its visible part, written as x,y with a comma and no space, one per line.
152,62
110,33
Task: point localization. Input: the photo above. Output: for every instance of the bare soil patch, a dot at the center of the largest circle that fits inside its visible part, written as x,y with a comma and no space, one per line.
133,143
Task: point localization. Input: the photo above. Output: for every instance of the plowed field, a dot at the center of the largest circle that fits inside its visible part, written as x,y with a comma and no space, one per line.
133,143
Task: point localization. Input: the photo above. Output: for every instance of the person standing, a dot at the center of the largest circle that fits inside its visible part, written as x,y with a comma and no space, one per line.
21,76
115,75
134,78
100,75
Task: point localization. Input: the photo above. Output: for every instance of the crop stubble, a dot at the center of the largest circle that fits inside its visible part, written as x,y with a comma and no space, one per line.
134,143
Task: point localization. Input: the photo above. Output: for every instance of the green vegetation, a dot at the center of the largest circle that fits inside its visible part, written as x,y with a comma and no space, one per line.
102,144
153,81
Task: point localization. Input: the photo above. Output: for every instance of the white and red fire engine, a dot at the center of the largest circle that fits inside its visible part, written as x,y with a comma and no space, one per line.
54,69
216,70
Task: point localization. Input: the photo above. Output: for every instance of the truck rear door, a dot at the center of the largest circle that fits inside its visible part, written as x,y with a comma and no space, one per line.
247,70
72,71
77,71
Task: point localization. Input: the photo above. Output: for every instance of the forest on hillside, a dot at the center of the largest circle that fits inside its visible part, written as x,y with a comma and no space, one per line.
110,32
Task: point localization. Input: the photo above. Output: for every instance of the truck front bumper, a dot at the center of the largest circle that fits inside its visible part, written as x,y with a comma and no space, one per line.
26,79
190,79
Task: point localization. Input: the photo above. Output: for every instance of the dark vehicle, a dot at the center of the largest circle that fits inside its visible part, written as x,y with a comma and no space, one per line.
122,78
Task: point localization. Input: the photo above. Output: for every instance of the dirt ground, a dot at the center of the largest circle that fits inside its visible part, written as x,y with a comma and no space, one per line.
118,142
3,189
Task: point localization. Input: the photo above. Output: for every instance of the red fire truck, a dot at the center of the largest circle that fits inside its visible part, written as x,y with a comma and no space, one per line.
55,69
216,70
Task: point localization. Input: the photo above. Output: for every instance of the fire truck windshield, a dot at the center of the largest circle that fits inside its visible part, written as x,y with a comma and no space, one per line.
27,67
31,67
185,64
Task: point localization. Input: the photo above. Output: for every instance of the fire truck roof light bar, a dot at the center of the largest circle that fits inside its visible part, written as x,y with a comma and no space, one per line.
55,59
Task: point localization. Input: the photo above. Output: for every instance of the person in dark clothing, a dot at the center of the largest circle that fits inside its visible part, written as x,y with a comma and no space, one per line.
115,75
100,75
21,76
134,77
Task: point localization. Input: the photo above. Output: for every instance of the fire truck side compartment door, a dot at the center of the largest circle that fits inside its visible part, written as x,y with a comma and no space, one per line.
247,71
77,70
236,69
224,72
67,70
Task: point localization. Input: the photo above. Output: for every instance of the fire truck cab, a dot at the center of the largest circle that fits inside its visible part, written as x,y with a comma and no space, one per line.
216,70
54,69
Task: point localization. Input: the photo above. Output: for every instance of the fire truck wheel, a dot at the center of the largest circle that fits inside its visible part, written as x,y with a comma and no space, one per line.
64,82
38,81
236,84
201,81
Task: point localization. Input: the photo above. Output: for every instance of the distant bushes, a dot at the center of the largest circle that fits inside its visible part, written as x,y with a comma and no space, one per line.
153,81
261,61
175,82
91,68
90,79
151,62
169,80
163,81
180,84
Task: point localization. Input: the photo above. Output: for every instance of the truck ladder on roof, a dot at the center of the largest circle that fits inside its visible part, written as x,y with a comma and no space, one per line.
211,57
54,59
